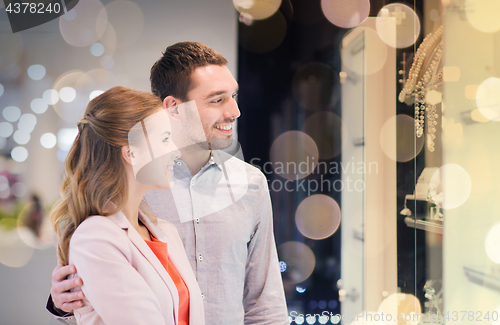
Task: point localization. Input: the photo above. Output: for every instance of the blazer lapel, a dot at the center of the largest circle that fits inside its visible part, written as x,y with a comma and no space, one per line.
179,260
121,220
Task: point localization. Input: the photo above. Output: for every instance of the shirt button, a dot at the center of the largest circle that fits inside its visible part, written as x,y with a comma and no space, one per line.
197,220
200,258
202,296
192,183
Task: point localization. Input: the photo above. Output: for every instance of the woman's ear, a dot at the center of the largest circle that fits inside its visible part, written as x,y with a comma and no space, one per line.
127,154
172,106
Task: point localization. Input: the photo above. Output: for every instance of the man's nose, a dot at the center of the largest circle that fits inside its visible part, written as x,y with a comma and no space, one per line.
231,110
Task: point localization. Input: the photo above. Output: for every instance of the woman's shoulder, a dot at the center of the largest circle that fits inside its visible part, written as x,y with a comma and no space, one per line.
99,227
166,226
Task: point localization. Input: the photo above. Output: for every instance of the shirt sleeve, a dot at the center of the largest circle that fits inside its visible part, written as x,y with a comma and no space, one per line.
115,291
264,298
60,315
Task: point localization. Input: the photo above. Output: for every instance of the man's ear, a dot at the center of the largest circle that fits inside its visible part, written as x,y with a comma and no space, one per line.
127,154
171,104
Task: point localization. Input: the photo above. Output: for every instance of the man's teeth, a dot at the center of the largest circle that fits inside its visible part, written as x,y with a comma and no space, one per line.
223,127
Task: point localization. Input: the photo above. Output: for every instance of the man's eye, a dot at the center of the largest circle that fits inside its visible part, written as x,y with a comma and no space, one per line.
218,100
235,95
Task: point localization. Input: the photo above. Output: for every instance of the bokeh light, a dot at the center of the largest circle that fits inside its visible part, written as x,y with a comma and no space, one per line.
483,14
70,15
434,15
39,105
13,251
97,49
18,189
263,35
11,113
67,94
407,25
325,129
88,25
399,303
95,80
95,93
6,129
451,73
48,140
70,111
5,193
315,86
300,261
300,289
28,227
294,155
310,319
346,14
83,84
476,116
4,183
19,154
36,71
107,62
257,9
108,40
50,96
492,244
488,98
318,216
407,146
433,97
471,91
27,123
375,54
21,137
128,31
66,137
323,319
453,186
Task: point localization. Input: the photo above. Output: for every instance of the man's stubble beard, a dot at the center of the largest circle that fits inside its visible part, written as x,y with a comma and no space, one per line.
201,140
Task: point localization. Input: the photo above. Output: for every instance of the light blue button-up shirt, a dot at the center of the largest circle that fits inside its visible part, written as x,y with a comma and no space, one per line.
223,215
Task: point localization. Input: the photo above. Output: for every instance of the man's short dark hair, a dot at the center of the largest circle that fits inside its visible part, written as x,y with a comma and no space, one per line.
171,74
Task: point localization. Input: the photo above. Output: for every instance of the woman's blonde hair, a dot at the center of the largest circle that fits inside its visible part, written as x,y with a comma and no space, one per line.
95,181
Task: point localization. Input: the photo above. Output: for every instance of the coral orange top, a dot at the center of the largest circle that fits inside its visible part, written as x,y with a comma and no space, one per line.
160,249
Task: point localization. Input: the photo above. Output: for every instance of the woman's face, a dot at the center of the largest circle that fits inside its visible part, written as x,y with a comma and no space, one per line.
154,152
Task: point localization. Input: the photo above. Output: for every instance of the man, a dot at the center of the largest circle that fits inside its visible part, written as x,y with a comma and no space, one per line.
220,205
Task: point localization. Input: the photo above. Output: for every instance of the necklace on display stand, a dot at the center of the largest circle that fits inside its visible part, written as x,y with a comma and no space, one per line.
420,82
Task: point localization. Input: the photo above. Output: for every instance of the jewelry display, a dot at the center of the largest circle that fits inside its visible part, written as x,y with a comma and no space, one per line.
421,80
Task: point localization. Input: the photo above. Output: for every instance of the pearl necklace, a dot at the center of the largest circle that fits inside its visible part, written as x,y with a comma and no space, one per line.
429,80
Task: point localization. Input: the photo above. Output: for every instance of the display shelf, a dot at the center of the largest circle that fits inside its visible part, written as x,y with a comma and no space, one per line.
488,277
433,226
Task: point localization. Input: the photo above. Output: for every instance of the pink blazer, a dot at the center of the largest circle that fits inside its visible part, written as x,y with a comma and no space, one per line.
123,280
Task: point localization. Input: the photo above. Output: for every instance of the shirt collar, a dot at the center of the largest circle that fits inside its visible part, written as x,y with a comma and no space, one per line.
182,171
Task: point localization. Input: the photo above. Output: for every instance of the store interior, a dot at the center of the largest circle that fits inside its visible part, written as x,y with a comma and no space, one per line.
389,109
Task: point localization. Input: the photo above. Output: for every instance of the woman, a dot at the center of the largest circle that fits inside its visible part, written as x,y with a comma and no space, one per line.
105,227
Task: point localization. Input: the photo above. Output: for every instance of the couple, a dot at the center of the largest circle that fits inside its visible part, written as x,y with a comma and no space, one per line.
134,268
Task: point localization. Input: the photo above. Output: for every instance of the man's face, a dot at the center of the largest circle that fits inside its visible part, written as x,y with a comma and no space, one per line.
215,93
